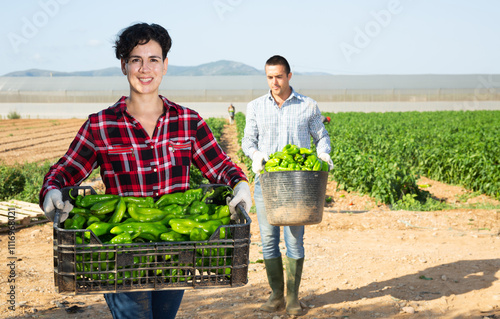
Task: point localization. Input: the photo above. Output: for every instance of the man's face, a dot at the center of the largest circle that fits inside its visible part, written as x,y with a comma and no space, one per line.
277,79
145,68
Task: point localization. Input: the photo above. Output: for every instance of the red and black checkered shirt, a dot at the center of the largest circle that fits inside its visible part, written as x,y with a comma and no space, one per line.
134,164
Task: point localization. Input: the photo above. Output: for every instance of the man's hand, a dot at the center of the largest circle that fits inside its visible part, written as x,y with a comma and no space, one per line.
241,196
53,200
326,158
259,160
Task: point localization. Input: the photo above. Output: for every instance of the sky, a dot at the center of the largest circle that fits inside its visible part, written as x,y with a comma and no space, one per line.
333,36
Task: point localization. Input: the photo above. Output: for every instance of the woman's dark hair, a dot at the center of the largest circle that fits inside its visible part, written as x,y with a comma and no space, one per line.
279,60
141,33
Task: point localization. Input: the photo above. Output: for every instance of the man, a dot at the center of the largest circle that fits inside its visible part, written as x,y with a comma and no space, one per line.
231,110
274,120
144,146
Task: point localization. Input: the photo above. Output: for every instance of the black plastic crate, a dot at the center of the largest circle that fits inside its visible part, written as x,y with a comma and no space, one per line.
109,268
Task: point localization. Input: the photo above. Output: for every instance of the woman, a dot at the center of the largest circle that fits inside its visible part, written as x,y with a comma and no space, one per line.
144,145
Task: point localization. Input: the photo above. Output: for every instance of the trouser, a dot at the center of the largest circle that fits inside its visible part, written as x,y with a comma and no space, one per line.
145,305
270,235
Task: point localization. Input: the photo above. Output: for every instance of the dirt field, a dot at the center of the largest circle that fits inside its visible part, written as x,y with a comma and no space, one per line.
362,260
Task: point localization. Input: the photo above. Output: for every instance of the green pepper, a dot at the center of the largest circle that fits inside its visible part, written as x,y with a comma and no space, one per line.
310,161
123,238
283,156
144,214
298,158
89,200
92,219
147,236
153,228
225,220
201,217
140,201
79,210
305,168
272,162
78,200
198,207
183,226
210,226
99,229
325,167
277,169
290,149
173,236
221,211
278,155
167,218
305,151
76,222
197,234
174,209
191,195
104,207
168,199
117,216
317,165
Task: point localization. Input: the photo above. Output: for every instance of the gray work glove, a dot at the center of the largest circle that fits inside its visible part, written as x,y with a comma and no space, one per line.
53,200
241,196
259,159
326,158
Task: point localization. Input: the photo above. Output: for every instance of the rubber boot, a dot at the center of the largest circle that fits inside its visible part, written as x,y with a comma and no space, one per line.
274,270
293,277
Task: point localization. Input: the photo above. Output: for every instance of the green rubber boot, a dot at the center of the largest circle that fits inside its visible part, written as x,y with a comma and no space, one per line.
293,276
274,270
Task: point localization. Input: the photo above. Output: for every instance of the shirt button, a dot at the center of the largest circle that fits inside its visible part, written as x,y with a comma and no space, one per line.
155,170
152,147
157,194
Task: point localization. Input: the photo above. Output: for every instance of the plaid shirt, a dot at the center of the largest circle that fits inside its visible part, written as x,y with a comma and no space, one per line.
133,164
269,128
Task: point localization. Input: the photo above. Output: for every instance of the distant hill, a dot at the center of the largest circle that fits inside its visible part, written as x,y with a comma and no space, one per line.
214,68
222,67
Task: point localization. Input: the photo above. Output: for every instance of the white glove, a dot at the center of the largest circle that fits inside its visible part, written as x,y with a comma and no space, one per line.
326,158
259,160
53,200
241,196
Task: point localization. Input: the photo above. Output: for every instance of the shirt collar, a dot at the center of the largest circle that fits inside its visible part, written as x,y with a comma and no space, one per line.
292,95
121,105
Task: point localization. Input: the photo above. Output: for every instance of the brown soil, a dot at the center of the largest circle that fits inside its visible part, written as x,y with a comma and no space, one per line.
362,261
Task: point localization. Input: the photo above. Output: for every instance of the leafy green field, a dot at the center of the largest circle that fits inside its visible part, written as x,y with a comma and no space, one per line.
383,154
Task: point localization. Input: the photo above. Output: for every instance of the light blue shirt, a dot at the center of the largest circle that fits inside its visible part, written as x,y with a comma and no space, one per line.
269,128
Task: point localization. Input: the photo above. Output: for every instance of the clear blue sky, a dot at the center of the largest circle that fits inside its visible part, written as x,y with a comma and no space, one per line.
334,36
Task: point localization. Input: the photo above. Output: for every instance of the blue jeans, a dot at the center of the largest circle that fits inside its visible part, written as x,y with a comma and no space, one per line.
270,235
145,305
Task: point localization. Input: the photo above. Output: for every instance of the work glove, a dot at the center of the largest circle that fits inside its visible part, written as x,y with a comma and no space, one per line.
53,200
259,159
241,196
326,158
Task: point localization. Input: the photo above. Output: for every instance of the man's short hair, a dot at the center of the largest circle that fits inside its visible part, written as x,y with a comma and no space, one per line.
279,60
141,33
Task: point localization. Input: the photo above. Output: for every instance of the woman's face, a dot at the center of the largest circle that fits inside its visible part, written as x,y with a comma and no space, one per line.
145,68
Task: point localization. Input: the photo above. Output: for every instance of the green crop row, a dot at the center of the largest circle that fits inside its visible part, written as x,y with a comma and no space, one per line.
383,154
240,121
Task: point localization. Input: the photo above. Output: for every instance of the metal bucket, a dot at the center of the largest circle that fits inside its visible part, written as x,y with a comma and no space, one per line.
294,198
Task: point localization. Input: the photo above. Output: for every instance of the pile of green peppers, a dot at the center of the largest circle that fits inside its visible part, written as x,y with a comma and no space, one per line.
293,158
182,216
178,217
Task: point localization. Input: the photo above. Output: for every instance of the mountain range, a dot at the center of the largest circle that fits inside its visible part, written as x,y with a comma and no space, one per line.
222,67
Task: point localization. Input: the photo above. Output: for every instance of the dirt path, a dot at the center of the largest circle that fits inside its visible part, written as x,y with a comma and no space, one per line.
362,261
